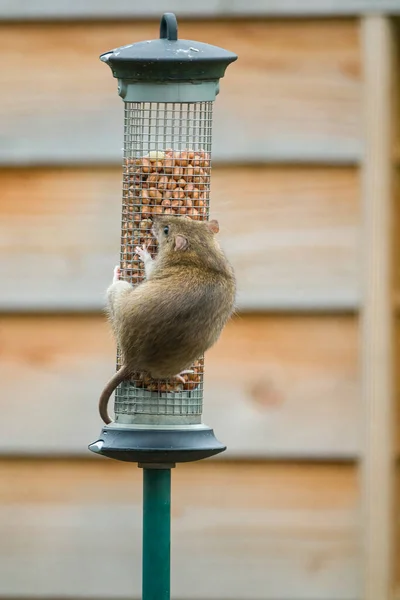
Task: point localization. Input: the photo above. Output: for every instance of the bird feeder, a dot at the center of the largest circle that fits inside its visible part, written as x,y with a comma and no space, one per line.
168,87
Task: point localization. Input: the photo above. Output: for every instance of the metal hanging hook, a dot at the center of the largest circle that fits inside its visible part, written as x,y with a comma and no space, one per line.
169,27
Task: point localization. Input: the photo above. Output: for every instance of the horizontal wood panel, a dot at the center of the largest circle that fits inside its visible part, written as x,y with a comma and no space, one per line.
274,386
293,95
38,9
238,531
291,234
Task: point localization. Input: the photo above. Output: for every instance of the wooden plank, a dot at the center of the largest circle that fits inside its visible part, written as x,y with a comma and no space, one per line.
274,386
100,9
396,241
291,234
251,531
294,94
377,324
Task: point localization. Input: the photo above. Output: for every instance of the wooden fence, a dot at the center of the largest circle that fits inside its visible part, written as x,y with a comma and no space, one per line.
302,385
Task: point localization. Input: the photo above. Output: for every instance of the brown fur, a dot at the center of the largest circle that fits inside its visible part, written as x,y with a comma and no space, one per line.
164,324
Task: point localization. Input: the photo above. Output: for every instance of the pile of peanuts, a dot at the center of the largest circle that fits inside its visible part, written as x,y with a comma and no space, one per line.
192,380
162,182
168,182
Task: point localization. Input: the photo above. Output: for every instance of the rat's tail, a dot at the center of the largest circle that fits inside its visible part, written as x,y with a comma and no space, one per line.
114,382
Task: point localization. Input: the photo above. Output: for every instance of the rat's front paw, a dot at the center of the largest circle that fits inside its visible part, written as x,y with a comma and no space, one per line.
143,253
117,274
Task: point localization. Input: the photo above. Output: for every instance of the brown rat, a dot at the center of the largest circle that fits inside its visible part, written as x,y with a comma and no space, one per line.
166,322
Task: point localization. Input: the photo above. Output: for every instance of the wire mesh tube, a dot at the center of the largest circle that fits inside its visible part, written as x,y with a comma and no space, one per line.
167,164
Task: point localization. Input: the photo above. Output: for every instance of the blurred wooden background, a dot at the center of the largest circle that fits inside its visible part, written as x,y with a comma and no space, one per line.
302,385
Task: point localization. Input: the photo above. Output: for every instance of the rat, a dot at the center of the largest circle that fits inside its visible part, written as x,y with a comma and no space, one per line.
178,312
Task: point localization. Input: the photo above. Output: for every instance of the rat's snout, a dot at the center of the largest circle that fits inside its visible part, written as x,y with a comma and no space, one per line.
155,229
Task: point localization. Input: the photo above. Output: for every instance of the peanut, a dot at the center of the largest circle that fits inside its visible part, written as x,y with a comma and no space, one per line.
163,182
177,173
145,166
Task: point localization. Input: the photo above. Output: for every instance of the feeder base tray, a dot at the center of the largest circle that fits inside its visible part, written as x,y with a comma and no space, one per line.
131,444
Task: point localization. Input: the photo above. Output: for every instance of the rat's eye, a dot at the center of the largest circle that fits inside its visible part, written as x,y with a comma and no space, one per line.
166,230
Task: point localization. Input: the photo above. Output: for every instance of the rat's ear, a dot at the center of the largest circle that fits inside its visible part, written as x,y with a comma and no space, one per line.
181,243
213,226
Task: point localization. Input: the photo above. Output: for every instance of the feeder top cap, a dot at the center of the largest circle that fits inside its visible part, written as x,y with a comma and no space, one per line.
168,59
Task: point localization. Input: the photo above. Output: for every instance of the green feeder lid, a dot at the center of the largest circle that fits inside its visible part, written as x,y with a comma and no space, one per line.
168,59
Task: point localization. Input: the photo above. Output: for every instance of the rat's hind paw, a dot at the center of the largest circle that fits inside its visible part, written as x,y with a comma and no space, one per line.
186,372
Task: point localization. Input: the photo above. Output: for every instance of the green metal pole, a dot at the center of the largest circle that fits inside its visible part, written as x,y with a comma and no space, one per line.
156,534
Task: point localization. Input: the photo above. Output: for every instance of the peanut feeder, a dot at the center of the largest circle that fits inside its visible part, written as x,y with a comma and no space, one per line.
168,87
